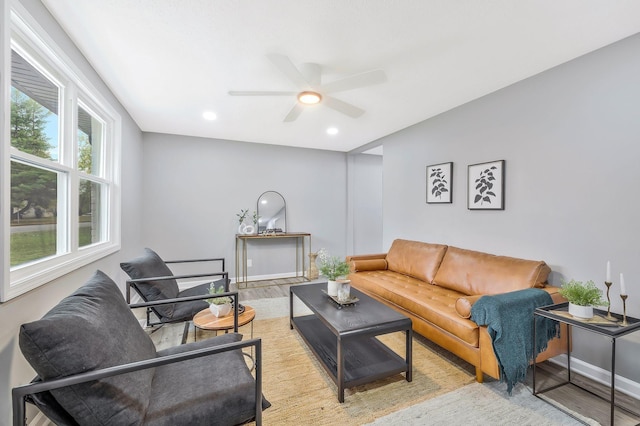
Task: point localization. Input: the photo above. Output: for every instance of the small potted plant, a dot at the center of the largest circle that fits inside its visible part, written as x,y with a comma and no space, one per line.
582,298
219,306
333,268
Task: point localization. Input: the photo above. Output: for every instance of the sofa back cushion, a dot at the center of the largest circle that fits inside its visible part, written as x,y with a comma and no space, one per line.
416,259
152,265
472,272
92,329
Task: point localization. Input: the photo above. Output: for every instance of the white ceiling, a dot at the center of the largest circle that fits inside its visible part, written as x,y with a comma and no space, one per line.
167,61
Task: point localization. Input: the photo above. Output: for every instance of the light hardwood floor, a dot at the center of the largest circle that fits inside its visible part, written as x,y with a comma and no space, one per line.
547,373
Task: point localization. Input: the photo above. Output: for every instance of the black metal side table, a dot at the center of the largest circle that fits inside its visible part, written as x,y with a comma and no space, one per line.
614,330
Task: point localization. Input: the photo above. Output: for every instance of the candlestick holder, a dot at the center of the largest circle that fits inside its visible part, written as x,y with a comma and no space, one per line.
609,316
624,310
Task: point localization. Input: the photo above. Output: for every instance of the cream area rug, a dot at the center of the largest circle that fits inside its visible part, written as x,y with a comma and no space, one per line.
442,391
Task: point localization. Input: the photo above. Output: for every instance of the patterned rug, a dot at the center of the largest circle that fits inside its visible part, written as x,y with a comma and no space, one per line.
443,390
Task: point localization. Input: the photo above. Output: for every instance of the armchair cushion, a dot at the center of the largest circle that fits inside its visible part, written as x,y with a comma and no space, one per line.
97,315
219,389
152,265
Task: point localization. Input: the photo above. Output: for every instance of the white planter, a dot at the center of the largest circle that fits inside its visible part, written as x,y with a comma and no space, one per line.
220,310
582,312
332,288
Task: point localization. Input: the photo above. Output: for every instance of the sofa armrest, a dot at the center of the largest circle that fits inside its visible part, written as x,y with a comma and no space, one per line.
555,294
464,304
367,265
366,257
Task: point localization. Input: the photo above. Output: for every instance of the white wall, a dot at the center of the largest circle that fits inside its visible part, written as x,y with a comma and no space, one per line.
195,186
570,138
14,370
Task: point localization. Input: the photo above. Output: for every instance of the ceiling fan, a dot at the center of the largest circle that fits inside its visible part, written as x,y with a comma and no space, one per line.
311,91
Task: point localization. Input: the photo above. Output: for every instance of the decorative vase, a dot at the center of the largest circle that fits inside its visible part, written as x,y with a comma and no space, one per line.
581,312
332,288
344,290
313,273
220,310
242,228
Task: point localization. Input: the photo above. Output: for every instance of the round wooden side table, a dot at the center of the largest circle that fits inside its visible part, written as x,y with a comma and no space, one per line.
205,320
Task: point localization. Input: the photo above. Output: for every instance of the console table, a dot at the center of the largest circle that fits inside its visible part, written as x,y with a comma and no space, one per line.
242,241
612,331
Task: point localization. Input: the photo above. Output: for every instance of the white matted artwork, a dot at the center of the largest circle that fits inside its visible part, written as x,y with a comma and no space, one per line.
485,186
439,188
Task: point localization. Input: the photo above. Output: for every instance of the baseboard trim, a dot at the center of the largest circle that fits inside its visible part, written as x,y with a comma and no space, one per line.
600,375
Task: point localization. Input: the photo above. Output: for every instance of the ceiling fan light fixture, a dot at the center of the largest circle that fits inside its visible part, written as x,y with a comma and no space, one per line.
309,98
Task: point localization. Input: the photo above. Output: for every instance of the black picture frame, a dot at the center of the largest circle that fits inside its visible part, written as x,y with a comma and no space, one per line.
439,183
485,185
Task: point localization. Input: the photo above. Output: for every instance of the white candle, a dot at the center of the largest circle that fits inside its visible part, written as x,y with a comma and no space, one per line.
608,272
623,289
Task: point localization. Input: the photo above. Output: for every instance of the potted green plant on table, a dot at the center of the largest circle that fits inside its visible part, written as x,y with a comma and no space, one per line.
332,267
582,298
219,306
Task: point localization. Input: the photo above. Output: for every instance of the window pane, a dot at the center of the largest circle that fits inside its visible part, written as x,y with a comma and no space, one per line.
34,110
34,197
90,213
90,132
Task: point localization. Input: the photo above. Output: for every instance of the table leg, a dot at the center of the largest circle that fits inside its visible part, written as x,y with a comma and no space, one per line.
340,356
613,379
409,354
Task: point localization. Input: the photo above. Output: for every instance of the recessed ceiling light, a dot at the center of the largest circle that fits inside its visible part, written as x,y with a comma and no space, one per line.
309,98
209,115
332,130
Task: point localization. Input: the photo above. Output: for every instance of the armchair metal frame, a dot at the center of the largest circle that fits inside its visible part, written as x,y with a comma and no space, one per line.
131,283
20,394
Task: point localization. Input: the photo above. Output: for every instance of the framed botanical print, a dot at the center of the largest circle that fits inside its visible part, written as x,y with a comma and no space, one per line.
485,186
439,188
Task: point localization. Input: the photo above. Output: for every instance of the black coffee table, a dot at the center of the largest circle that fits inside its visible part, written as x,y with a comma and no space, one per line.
344,340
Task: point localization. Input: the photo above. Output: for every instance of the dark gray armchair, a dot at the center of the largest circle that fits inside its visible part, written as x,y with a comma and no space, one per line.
96,365
153,280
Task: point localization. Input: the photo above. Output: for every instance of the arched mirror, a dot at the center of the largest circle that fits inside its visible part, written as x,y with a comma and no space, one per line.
272,213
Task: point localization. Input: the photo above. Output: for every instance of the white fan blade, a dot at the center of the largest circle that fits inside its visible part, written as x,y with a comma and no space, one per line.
343,107
260,93
284,64
311,73
368,78
294,113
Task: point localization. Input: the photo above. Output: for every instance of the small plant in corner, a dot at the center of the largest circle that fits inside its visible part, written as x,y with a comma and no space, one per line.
580,294
217,300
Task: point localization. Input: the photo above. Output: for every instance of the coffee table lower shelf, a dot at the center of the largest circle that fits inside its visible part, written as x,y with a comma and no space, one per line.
366,358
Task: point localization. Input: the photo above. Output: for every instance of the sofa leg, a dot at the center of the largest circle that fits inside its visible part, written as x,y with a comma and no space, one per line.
479,375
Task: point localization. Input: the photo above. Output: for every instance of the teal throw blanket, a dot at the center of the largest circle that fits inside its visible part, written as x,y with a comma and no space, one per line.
509,321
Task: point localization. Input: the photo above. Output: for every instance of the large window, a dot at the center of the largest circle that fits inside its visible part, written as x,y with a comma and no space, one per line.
61,143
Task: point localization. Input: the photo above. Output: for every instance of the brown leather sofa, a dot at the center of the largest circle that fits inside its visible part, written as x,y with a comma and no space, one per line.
436,285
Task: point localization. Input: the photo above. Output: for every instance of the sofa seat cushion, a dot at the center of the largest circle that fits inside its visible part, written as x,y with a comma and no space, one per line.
97,315
215,389
472,272
434,304
416,259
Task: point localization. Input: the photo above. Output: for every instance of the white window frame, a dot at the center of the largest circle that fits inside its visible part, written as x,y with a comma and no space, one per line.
23,29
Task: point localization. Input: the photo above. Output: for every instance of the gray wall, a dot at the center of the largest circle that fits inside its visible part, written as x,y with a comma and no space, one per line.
14,370
194,187
570,140
364,183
